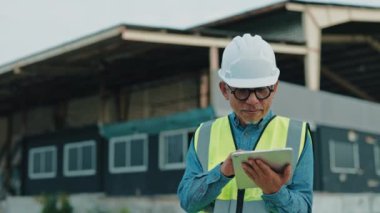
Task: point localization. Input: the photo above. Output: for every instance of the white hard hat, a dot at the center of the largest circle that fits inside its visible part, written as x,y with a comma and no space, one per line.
249,62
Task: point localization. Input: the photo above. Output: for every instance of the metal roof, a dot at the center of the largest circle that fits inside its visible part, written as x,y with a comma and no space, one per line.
95,38
122,55
350,58
350,52
351,3
280,5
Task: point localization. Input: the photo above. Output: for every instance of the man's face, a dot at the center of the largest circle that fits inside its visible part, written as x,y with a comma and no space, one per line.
251,110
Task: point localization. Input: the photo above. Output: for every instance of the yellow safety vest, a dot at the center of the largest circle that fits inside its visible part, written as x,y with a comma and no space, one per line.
213,142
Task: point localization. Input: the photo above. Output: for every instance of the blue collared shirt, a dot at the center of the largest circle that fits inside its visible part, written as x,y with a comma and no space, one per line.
198,189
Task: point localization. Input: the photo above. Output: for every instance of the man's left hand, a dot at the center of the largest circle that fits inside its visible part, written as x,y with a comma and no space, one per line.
268,180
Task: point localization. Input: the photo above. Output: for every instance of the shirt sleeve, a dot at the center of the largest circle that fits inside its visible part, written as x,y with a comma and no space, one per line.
198,189
298,196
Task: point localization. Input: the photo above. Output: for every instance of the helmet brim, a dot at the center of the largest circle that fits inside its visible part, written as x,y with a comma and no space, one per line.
250,83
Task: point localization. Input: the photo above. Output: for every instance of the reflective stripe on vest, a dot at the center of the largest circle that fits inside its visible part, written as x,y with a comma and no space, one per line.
226,206
213,143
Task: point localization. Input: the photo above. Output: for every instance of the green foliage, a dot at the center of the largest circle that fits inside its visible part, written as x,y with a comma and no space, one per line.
124,210
65,204
50,204
53,203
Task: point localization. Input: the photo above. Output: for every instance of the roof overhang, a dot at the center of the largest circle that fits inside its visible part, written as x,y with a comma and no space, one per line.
185,38
334,15
59,50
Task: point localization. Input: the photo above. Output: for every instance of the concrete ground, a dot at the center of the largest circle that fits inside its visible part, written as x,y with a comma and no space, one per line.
99,203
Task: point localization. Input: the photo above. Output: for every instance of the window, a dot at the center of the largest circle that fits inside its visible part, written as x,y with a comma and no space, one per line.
344,157
80,158
377,159
172,149
42,162
128,154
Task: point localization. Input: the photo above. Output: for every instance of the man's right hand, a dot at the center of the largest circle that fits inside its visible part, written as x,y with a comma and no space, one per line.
227,168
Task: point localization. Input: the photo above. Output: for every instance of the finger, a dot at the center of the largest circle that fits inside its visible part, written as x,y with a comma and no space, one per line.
252,163
249,159
249,171
247,168
229,158
260,167
286,175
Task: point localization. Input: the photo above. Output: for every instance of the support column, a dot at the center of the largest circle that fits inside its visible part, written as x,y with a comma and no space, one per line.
313,55
124,103
4,141
204,90
7,169
103,114
103,111
214,67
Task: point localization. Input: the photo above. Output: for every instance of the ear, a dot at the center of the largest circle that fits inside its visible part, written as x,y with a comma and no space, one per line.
223,89
275,87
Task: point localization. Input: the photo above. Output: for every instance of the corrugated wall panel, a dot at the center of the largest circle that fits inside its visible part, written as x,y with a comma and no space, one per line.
39,120
3,131
110,110
317,107
163,99
17,126
84,111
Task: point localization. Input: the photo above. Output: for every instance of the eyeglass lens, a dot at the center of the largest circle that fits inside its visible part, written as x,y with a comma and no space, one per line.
243,94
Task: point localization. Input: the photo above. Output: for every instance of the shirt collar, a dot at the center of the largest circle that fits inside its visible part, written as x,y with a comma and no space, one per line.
260,124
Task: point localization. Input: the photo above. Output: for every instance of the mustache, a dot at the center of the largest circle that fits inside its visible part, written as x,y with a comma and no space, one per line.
253,109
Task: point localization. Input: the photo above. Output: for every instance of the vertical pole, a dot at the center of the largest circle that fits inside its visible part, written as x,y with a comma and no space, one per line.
214,66
8,147
214,59
313,56
204,90
103,109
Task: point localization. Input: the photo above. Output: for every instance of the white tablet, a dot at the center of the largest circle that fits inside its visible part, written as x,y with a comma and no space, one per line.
276,158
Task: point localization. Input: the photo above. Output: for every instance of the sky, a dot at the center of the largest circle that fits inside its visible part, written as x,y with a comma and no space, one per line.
27,27
30,26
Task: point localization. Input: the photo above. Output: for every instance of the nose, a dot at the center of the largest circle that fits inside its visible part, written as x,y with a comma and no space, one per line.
252,99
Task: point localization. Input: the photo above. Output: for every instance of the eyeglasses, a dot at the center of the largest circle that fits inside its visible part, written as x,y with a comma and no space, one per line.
242,94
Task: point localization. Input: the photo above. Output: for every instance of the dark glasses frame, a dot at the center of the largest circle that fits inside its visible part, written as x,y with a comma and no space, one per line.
256,91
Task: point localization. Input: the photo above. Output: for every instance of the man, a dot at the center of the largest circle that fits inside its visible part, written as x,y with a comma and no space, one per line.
249,82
